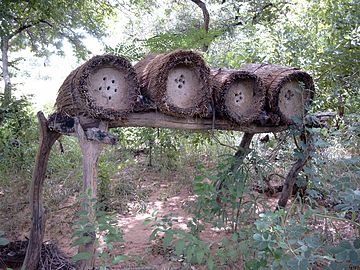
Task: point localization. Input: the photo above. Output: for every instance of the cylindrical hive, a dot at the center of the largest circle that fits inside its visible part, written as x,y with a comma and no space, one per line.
289,90
104,87
239,95
178,82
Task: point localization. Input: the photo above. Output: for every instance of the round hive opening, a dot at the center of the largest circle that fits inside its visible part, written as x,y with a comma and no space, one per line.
240,97
182,86
291,99
109,88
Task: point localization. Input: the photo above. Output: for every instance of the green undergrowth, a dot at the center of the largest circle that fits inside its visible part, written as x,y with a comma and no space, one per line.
308,234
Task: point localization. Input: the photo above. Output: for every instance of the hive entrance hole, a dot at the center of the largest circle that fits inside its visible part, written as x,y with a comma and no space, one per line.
240,96
291,100
110,89
182,86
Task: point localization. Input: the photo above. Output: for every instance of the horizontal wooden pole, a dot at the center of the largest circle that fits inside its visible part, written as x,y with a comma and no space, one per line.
159,120
65,124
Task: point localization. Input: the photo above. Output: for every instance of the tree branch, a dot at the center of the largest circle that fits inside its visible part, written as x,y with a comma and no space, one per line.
46,22
21,29
205,12
27,26
206,16
259,13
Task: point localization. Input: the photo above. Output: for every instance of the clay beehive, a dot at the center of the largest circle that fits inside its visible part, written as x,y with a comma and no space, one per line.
104,87
178,82
239,95
289,90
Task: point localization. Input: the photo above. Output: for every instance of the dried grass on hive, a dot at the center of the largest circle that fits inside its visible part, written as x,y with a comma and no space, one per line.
274,78
222,80
153,72
75,98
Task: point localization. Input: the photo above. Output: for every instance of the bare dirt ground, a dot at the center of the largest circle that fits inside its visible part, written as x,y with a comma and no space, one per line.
166,193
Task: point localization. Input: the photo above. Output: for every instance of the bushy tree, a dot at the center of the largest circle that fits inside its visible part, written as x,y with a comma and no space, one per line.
40,23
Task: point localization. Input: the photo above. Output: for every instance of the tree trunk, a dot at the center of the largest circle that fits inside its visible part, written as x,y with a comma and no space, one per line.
297,167
47,139
243,151
5,70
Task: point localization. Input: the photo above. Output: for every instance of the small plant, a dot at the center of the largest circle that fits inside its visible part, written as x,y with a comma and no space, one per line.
220,193
187,245
281,241
104,176
102,228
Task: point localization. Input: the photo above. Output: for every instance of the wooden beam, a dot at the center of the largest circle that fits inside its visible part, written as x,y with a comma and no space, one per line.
158,120
65,124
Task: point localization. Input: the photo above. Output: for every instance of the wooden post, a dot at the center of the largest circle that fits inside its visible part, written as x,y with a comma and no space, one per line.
91,151
47,139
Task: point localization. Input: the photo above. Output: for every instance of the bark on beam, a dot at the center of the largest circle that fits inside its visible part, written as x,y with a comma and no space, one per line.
66,125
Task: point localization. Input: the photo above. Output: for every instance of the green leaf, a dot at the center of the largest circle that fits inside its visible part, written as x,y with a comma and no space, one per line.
342,256
189,253
81,256
82,241
200,256
147,221
119,259
167,240
4,241
210,263
82,222
179,247
199,178
154,234
257,237
357,243
335,249
82,213
104,255
235,237
354,258
303,264
86,229
345,244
